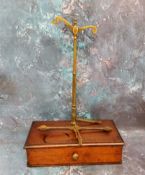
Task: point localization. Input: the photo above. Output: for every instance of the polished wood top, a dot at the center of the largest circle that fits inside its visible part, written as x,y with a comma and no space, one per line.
66,137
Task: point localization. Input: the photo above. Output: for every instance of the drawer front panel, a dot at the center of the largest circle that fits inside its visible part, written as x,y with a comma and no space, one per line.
74,155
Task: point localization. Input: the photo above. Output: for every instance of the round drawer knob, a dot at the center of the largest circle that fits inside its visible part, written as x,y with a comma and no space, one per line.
75,156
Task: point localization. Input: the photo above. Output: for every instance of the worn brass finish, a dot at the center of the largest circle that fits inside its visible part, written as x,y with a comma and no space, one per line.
75,29
75,156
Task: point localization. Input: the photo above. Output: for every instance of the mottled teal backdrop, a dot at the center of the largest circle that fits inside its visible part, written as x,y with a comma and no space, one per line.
36,75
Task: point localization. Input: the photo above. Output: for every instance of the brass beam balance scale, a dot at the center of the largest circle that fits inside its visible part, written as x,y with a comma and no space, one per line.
79,141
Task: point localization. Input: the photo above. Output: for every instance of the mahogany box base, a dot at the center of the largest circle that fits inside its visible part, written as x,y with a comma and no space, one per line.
60,147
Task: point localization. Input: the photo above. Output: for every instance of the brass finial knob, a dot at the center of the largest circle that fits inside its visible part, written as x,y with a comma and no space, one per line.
75,156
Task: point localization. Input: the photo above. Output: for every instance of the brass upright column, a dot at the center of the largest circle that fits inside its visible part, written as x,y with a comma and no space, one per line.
74,125
74,81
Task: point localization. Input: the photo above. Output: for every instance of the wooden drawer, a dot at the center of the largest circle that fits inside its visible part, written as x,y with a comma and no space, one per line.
74,156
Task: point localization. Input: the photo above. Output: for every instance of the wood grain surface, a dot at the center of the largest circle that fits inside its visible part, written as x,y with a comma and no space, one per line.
60,147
